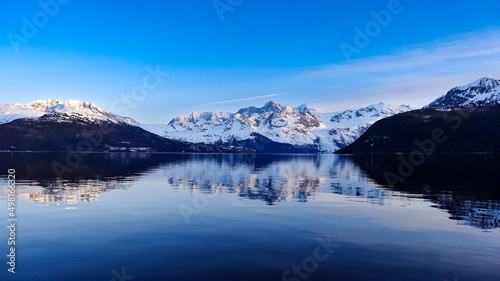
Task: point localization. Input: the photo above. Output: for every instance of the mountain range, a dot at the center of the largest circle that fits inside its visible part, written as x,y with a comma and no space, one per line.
467,119
10,112
302,127
76,133
270,128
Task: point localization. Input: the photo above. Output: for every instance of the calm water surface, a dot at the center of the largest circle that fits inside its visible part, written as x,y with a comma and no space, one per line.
252,217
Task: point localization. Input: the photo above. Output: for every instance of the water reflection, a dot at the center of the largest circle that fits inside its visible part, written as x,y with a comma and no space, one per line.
72,192
259,177
96,174
483,214
464,186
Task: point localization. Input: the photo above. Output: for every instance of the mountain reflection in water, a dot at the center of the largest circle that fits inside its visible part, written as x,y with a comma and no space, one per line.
467,187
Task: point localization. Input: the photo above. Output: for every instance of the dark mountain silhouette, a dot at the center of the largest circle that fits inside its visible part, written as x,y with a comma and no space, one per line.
62,132
456,130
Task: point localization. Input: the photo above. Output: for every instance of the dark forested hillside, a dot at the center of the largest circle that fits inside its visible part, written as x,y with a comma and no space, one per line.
457,130
61,132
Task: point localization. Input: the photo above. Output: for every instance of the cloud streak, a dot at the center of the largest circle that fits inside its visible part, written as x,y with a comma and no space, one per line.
416,75
460,47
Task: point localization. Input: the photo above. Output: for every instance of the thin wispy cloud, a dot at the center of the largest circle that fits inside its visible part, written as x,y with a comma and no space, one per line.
244,99
464,46
416,75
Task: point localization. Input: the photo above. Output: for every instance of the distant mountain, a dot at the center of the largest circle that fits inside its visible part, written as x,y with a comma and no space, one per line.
484,91
465,130
479,132
276,128
74,132
271,128
344,127
9,112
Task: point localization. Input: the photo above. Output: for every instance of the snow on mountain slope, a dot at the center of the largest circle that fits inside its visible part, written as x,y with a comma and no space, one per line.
358,117
300,126
9,112
344,127
279,123
484,91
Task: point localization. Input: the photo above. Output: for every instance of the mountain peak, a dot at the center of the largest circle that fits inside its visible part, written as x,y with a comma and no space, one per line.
195,115
481,82
50,105
256,127
354,117
305,109
79,104
270,107
87,109
40,105
483,91
272,104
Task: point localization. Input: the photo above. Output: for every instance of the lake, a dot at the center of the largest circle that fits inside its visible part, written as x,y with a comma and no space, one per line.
140,216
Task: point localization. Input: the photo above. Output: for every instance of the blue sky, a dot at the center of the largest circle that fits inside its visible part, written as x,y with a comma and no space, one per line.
251,52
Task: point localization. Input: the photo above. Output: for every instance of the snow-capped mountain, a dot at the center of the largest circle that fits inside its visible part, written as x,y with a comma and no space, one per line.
301,126
271,128
484,91
283,124
9,112
344,127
